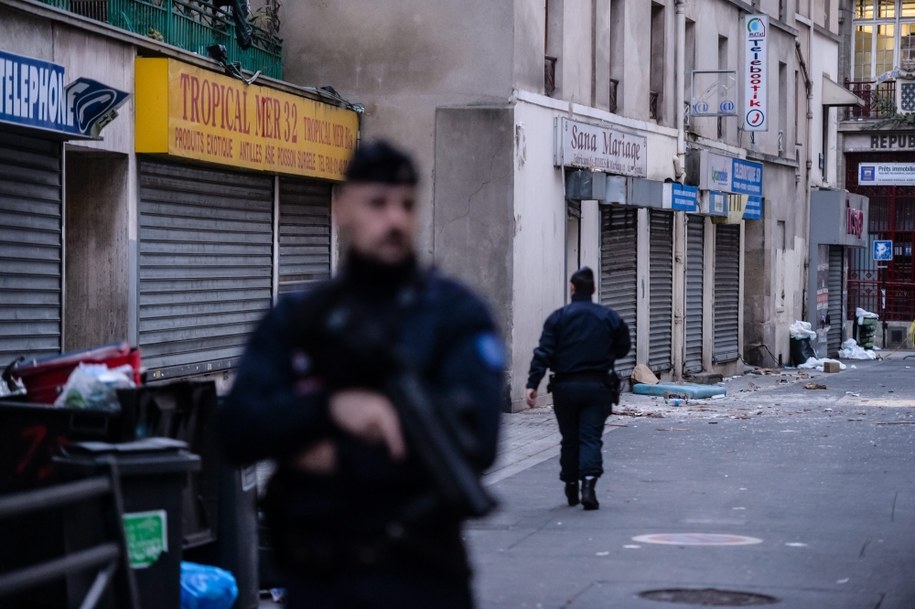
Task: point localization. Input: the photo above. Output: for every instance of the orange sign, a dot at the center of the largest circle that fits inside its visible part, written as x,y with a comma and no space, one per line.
193,113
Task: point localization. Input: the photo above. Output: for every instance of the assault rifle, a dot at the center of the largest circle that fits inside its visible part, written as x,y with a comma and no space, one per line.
441,442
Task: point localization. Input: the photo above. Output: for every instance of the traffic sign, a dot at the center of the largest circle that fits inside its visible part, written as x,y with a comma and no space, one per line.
882,250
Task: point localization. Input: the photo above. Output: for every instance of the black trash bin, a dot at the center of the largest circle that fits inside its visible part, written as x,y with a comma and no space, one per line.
801,350
154,472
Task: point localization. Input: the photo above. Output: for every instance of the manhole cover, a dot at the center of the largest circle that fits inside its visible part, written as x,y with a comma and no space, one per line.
709,597
697,539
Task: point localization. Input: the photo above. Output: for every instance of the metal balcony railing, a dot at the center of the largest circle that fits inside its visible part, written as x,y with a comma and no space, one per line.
879,99
192,25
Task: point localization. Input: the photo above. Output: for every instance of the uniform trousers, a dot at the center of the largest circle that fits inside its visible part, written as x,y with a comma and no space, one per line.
581,408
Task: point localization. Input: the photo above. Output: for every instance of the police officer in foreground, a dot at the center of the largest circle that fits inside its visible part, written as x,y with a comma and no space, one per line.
352,509
580,343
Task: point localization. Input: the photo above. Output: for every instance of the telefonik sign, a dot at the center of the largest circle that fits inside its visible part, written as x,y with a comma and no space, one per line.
755,73
33,94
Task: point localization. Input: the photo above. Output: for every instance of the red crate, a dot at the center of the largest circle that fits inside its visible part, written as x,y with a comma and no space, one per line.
44,378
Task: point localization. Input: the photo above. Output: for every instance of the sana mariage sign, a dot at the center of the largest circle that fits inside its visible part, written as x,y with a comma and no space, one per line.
600,149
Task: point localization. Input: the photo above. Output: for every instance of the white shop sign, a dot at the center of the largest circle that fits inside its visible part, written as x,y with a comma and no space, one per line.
600,149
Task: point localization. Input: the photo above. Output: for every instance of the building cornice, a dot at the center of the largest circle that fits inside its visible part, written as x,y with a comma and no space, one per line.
579,110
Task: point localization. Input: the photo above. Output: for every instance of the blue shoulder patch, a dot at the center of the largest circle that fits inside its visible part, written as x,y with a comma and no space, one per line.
490,350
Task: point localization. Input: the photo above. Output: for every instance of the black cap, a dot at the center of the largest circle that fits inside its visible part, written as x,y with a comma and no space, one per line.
381,162
583,280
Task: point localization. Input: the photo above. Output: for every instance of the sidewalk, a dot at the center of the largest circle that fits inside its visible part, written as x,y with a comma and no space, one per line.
531,436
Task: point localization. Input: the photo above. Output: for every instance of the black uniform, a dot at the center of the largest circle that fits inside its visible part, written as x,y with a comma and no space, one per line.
580,343
364,536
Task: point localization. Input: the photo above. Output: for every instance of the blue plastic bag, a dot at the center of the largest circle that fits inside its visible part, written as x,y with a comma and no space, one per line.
206,587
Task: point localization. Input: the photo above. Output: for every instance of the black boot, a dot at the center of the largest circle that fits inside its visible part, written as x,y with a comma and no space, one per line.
572,492
588,497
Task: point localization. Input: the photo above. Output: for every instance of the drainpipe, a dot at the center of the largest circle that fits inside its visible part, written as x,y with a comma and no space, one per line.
679,95
808,161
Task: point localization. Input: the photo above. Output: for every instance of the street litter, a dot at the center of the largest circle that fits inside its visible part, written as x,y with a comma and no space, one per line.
853,394
801,330
851,350
643,374
95,386
818,364
814,386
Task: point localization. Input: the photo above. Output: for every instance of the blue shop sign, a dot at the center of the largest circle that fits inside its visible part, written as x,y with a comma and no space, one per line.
746,177
753,209
684,198
33,94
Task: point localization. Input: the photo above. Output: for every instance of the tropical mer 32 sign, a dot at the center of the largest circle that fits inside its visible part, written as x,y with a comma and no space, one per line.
33,94
756,73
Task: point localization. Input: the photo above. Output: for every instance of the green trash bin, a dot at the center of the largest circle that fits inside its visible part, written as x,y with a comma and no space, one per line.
866,330
153,473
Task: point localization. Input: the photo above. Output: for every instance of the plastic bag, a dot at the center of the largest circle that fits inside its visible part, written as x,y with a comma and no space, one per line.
206,587
95,386
801,329
851,350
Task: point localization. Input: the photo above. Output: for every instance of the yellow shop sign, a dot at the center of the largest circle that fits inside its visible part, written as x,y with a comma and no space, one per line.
193,113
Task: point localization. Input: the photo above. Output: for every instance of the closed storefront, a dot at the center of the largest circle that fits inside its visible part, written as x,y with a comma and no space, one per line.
31,245
304,233
661,289
619,271
838,231
234,209
695,265
205,264
40,109
727,293
836,292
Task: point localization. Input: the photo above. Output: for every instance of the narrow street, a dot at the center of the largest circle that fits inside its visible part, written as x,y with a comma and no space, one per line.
801,496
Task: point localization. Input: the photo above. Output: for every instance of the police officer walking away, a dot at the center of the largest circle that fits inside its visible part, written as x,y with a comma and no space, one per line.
357,517
580,343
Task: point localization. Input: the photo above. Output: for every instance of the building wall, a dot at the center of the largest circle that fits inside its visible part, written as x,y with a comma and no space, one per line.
473,215
491,55
404,60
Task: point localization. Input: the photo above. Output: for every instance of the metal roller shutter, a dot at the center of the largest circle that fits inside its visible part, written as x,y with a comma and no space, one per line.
31,229
206,265
727,292
304,237
836,273
695,263
618,268
660,307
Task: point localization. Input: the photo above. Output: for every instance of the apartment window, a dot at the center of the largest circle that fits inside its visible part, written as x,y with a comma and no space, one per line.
656,79
782,109
884,36
690,56
722,130
552,41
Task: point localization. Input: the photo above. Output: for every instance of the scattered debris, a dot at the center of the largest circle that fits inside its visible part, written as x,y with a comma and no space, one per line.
643,374
814,386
